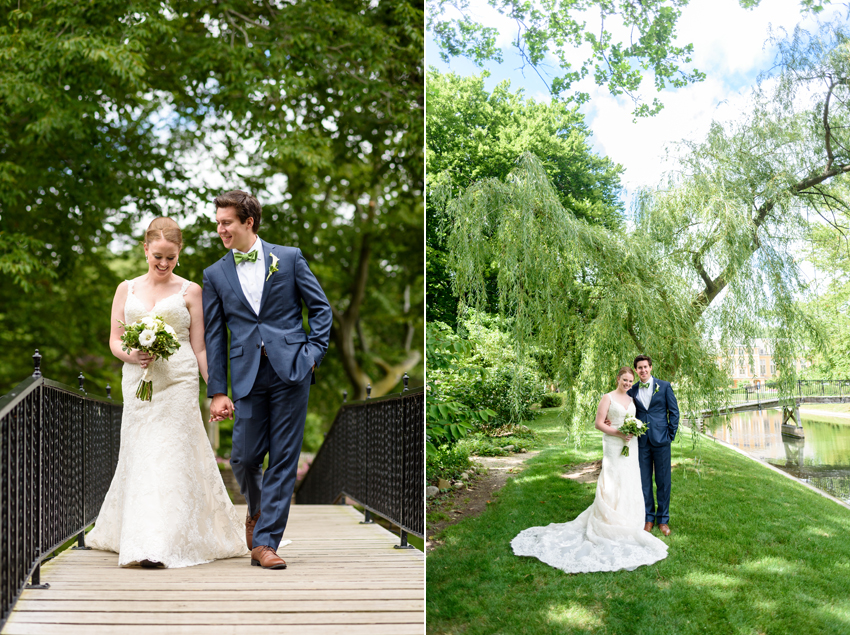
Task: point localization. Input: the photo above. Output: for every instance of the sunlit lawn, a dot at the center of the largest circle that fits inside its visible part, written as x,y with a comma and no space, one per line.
752,552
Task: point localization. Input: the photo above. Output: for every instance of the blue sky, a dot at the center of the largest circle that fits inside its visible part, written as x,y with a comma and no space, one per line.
729,45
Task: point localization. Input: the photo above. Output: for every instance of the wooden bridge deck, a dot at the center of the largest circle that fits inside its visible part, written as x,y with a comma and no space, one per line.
343,577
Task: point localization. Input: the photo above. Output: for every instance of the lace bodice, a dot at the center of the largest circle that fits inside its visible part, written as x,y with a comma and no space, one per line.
617,413
171,309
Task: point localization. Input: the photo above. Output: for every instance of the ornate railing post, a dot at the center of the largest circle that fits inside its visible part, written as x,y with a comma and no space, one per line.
35,578
81,537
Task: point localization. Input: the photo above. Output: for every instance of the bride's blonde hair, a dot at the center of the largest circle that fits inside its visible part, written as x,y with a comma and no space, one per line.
164,228
624,370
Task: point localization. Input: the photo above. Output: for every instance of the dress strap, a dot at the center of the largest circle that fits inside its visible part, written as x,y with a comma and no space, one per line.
130,284
185,287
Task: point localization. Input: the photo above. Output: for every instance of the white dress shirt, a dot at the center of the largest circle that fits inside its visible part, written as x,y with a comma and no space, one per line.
645,394
252,275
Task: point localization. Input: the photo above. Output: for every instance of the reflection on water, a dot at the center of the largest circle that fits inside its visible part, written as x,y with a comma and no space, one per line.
821,459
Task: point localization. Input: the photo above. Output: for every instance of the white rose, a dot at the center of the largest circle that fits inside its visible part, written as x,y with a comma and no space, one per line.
147,337
639,424
169,330
149,322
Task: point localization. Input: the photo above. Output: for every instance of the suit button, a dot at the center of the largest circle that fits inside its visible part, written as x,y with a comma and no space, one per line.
258,346
259,321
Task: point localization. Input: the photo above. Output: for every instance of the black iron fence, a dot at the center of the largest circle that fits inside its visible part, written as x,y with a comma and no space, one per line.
803,388
374,454
58,452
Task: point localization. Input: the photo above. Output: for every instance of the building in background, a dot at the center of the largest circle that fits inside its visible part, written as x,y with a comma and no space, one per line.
755,366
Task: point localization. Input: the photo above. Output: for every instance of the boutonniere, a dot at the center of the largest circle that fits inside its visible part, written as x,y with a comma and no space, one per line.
273,267
656,388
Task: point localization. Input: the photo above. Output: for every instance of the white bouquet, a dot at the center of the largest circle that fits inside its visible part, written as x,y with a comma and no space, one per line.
156,338
634,426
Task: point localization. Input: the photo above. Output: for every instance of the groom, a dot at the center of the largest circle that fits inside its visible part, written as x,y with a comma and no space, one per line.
655,405
256,292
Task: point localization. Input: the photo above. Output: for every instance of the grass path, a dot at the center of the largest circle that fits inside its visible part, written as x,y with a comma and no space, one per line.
751,553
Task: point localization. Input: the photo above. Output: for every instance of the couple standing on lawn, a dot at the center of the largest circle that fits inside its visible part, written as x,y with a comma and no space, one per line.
615,532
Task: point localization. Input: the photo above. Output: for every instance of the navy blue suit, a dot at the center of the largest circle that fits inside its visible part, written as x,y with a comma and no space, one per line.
662,419
270,391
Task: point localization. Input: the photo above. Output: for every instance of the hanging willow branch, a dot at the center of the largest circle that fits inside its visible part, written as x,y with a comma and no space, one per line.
708,264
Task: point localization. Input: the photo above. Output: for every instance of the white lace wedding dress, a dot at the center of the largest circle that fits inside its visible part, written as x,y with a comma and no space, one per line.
608,535
167,502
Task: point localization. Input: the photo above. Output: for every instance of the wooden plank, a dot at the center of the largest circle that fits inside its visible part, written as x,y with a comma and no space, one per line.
225,585
242,606
213,629
199,595
363,617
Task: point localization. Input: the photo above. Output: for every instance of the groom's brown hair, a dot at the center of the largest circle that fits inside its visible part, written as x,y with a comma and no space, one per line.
246,206
643,358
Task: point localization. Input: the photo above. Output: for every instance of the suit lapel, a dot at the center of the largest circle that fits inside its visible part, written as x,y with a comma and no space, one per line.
233,279
656,387
268,250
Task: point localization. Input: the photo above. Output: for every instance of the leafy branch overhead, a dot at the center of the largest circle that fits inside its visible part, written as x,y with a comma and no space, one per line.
579,35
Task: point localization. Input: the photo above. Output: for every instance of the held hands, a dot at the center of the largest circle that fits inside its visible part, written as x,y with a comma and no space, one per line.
221,408
141,358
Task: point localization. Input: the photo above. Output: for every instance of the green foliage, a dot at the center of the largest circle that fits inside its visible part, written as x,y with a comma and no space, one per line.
726,220
106,110
551,400
558,29
483,444
447,421
474,135
508,391
483,375
446,461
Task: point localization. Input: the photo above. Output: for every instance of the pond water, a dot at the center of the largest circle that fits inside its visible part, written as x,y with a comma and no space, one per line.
822,458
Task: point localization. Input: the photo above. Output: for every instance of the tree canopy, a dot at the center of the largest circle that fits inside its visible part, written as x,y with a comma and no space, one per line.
111,112
725,223
474,135
559,29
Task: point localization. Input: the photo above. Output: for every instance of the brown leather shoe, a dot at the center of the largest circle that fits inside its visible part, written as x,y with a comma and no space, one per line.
250,523
648,527
267,558
664,529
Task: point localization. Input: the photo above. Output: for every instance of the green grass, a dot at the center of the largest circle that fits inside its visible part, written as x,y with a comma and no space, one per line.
752,552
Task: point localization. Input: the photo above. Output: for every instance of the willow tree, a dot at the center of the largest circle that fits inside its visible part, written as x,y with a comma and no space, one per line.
709,261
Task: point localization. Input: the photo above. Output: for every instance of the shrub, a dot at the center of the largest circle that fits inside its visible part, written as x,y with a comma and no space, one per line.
551,400
497,389
447,462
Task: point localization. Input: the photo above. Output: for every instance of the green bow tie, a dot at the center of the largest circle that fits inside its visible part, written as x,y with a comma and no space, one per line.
644,385
250,257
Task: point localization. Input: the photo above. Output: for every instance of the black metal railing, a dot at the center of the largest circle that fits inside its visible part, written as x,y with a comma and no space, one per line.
58,452
374,454
803,388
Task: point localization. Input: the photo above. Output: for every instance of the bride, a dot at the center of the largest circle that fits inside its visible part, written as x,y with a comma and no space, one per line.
608,535
167,505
